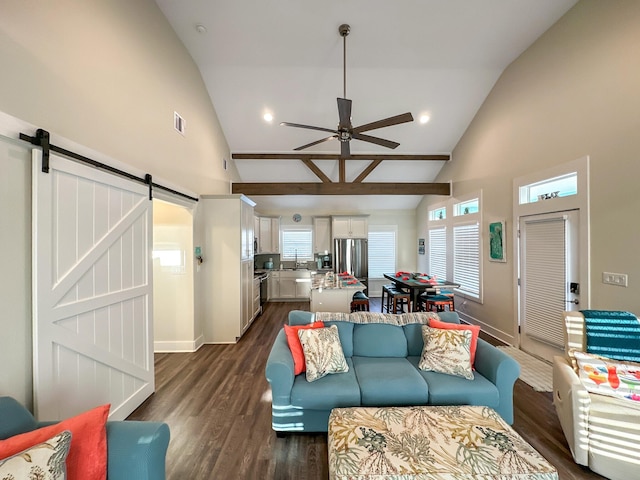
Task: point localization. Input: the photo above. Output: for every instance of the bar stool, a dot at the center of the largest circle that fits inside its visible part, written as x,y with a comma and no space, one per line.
359,302
396,300
385,294
437,302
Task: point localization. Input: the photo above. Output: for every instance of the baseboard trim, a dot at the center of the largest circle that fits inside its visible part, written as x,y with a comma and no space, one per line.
499,335
184,346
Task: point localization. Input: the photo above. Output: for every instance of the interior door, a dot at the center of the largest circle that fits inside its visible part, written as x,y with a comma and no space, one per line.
92,290
549,273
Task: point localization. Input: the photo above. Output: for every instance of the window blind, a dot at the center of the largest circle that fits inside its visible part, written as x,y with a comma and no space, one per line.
297,243
544,277
382,252
466,258
438,252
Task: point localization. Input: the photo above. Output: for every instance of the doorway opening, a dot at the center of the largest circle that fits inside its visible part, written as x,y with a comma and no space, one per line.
173,278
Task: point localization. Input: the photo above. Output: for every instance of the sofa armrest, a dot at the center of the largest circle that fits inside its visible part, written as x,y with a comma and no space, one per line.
572,402
501,370
136,450
279,370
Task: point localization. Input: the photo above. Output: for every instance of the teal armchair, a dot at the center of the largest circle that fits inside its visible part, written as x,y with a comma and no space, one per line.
135,450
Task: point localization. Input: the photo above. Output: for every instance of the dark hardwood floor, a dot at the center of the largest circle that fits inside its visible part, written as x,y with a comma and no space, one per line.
216,402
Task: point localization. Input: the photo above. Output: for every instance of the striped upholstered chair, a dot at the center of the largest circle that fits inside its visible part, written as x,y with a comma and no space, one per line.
597,398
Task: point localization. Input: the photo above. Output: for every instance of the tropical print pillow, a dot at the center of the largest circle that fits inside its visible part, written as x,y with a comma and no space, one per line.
322,352
44,461
446,351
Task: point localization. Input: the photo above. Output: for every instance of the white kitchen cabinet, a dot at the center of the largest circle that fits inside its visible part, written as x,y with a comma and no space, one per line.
273,285
350,226
321,234
269,235
227,270
256,297
289,285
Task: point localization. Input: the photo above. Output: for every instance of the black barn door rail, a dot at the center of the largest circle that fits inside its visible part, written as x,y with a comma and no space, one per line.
42,140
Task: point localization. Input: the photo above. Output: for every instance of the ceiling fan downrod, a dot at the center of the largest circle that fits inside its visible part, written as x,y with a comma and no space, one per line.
344,30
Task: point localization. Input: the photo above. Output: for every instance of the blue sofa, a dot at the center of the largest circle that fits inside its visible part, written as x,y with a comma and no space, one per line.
383,371
135,450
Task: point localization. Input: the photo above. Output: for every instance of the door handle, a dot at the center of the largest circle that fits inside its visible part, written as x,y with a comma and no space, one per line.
576,301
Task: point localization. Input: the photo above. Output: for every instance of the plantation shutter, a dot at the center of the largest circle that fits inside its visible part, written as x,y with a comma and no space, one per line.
466,258
543,275
438,252
382,252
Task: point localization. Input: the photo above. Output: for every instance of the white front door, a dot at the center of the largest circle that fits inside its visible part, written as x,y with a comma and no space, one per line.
549,279
92,290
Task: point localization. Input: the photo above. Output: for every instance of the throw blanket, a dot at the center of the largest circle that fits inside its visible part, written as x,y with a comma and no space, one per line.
612,334
374,317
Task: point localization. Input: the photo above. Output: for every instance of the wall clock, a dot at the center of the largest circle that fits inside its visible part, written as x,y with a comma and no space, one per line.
297,217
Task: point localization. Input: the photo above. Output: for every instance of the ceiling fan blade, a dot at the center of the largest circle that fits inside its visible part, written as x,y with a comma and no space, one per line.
376,140
387,122
344,112
310,127
315,143
345,151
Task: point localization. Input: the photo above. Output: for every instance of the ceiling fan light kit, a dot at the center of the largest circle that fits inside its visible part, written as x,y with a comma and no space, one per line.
345,131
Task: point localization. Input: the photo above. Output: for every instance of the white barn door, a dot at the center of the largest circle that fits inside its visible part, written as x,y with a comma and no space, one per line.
92,290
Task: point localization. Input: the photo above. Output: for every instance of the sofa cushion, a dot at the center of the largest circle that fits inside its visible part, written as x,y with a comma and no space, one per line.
413,334
294,344
345,332
447,389
14,418
379,340
446,351
43,460
389,382
475,332
327,392
322,352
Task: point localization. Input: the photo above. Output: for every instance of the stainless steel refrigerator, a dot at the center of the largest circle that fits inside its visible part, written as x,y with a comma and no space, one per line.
352,255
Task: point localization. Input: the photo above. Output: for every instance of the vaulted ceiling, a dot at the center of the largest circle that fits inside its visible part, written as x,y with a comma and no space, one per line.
285,57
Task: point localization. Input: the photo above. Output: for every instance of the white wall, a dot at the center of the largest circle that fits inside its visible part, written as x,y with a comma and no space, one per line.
573,93
107,75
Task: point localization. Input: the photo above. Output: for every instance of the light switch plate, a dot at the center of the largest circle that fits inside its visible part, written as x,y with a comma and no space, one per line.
619,279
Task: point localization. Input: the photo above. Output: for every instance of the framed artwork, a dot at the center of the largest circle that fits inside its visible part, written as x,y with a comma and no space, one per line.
497,241
421,246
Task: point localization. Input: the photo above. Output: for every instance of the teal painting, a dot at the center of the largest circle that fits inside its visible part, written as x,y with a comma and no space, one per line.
497,247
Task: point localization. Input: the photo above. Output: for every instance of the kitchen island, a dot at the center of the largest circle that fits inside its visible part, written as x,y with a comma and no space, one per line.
333,292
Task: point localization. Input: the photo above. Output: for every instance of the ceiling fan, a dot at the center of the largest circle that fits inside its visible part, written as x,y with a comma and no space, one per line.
345,131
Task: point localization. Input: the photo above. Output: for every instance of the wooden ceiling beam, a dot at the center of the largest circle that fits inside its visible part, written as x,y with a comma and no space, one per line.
314,168
331,156
341,188
367,171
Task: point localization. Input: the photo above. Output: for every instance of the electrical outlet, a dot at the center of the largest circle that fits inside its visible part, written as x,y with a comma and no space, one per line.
619,279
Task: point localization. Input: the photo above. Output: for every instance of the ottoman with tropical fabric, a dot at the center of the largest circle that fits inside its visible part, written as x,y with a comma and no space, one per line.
429,443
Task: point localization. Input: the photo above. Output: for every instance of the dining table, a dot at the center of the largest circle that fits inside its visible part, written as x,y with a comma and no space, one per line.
417,283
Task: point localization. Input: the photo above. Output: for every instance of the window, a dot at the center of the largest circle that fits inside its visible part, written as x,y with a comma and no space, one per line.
466,258
561,186
438,214
382,250
454,243
297,243
438,252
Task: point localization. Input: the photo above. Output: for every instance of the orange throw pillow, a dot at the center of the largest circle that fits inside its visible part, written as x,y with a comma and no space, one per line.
475,331
87,458
296,347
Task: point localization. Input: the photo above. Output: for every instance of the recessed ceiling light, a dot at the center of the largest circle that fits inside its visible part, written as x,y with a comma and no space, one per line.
424,118
268,117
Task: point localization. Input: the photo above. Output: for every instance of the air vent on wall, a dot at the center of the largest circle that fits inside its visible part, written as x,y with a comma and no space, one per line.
178,123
